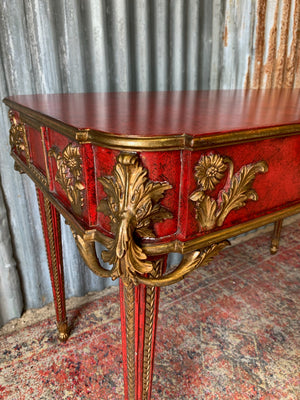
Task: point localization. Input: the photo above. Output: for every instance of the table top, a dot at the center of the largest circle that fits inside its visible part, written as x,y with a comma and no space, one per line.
148,114
258,130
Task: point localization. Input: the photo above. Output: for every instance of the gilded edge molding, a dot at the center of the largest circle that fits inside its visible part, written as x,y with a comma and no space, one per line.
210,170
86,239
158,143
69,174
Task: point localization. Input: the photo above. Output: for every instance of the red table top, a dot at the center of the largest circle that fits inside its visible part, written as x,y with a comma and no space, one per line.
144,114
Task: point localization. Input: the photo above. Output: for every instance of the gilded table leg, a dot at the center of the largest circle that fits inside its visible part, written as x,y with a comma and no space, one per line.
276,236
51,227
139,309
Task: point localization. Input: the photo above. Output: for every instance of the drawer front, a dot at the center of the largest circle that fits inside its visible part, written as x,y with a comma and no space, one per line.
232,185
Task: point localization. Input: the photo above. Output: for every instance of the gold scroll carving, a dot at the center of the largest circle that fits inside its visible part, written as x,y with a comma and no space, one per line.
133,205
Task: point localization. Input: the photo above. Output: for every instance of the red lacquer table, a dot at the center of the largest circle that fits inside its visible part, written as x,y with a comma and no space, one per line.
147,174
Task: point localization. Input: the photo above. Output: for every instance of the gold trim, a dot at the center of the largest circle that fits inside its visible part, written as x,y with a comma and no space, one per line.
186,141
149,328
238,137
33,123
158,143
157,248
69,174
189,263
42,131
129,298
177,246
86,247
211,212
18,138
36,172
63,332
132,204
79,228
276,236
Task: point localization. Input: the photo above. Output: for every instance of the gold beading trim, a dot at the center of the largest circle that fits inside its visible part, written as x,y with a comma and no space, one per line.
129,297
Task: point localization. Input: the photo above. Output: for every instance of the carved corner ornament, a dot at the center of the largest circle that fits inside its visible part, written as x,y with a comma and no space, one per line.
133,205
17,138
69,174
210,170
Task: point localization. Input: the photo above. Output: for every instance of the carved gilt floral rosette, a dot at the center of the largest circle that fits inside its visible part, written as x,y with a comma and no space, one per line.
210,170
69,174
133,205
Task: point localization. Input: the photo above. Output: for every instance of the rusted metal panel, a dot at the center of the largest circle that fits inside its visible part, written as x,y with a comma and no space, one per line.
277,45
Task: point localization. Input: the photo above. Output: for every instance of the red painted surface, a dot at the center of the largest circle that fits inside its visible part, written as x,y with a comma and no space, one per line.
58,268
59,141
139,335
105,160
174,113
164,113
276,189
279,187
36,148
170,113
162,166
89,213
89,176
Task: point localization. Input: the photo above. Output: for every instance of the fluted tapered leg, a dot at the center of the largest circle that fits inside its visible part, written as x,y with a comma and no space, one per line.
139,310
51,227
276,236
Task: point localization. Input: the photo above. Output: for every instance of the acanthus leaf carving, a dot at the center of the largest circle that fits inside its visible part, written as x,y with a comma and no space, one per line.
132,203
133,206
210,170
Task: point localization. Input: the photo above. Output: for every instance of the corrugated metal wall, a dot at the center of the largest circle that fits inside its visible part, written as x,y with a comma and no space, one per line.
50,46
